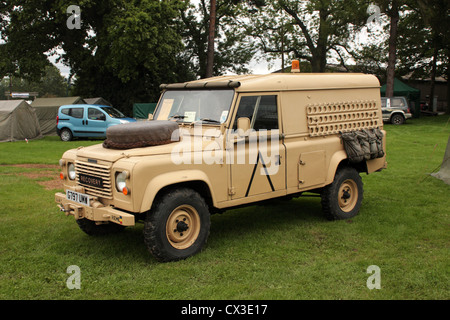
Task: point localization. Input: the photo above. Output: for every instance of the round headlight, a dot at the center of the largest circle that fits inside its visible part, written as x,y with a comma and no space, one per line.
71,171
121,180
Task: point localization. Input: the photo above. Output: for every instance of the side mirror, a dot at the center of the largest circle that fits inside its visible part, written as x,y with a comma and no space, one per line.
243,126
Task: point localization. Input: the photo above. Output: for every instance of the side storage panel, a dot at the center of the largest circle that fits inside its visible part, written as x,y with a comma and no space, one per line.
311,169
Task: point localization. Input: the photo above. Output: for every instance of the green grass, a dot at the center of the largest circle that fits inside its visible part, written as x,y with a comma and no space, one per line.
281,250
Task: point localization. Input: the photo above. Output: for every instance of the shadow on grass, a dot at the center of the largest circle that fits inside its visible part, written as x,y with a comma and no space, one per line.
233,225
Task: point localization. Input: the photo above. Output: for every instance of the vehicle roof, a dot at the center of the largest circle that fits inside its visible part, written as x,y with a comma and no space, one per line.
85,105
282,82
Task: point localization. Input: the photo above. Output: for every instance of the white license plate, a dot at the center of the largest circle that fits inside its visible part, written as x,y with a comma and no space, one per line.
77,197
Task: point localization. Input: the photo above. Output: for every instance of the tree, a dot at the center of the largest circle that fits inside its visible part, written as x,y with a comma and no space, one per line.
122,51
211,37
51,84
436,15
233,49
393,13
310,30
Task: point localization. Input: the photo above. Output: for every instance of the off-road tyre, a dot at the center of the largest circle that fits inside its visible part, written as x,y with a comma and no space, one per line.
177,226
343,197
93,229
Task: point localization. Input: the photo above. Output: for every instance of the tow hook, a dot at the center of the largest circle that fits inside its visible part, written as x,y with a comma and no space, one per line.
66,211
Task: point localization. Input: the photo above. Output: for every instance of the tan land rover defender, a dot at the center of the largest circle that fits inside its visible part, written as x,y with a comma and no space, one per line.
223,142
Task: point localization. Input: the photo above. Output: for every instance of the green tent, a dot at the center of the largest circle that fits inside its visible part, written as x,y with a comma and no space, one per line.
18,121
47,110
142,110
403,90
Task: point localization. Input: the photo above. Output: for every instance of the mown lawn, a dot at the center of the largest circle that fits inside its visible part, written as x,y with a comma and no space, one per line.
284,250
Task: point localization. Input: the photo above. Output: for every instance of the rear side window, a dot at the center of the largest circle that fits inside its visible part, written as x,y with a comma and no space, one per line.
73,112
397,102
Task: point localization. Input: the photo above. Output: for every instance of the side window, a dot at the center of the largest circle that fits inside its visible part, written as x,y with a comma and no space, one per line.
266,114
261,110
65,111
76,113
95,114
397,102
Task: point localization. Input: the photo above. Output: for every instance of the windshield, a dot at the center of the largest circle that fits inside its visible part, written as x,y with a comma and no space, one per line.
112,112
207,106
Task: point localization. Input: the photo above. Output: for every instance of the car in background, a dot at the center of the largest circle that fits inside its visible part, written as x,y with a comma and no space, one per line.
87,120
395,110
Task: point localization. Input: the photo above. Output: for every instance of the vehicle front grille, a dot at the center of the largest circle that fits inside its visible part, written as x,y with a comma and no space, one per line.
95,172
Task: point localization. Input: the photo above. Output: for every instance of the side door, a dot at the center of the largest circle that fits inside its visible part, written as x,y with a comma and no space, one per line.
77,116
256,159
96,124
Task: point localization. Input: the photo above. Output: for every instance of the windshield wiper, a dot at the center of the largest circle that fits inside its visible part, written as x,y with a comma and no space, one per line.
209,120
176,116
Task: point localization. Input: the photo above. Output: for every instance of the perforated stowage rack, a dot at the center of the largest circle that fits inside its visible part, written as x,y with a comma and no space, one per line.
332,118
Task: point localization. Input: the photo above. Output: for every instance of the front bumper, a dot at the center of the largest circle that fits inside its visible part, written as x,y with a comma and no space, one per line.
96,212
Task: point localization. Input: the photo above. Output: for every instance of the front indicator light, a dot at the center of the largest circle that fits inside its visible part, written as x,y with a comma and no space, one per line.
126,191
62,176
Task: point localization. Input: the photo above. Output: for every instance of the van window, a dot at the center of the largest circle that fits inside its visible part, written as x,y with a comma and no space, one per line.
261,110
95,114
76,112
397,102
113,112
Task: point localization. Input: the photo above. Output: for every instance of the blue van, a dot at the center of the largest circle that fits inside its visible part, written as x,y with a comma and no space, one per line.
87,120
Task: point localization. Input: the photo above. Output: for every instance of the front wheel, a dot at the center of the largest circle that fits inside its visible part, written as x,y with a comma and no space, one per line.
178,225
342,198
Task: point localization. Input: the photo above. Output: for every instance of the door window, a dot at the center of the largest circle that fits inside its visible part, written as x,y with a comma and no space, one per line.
261,110
95,114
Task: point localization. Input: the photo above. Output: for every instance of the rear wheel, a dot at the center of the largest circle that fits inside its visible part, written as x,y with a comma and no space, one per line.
342,198
178,225
66,134
397,119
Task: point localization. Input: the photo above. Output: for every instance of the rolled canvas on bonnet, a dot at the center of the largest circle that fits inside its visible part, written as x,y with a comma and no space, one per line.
141,134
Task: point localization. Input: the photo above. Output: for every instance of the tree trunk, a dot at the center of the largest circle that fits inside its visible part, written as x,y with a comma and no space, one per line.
393,13
448,89
212,31
433,76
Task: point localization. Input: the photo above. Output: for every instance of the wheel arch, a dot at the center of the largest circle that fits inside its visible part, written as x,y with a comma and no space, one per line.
339,160
398,112
195,180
